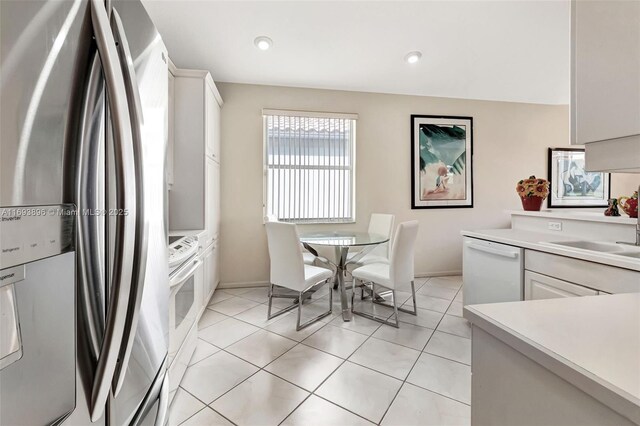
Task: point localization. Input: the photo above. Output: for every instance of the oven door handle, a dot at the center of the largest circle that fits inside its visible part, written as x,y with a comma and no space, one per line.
183,275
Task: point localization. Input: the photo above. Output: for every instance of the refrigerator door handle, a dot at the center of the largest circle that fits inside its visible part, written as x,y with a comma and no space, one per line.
126,206
90,268
158,393
163,403
142,227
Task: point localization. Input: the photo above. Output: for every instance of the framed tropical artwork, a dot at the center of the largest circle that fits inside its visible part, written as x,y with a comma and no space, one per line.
571,185
441,158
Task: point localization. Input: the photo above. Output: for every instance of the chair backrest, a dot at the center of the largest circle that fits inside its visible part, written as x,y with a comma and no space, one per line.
285,253
402,253
381,224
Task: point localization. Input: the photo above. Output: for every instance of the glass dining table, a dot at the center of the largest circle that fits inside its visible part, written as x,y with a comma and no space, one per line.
342,241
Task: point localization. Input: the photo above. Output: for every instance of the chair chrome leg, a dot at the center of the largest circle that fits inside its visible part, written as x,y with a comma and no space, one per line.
395,308
299,311
395,324
405,310
282,311
413,298
353,291
373,294
312,320
330,300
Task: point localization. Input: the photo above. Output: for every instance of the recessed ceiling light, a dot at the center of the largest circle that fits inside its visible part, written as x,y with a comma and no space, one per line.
263,43
413,57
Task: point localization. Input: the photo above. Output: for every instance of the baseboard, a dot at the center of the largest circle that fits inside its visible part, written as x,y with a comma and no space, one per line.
243,284
438,274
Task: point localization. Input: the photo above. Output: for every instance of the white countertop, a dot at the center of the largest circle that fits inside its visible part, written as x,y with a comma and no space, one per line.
590,216
592,342
535,240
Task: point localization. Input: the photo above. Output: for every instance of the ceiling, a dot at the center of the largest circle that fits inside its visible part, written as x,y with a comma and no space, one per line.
513,50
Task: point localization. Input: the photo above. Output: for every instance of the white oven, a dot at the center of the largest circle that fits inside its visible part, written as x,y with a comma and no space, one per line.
186,280
185,301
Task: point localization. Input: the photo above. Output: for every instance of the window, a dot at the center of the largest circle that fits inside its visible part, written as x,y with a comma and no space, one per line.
309,166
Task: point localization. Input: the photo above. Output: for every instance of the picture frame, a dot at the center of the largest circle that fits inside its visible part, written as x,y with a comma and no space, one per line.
441,162
570,186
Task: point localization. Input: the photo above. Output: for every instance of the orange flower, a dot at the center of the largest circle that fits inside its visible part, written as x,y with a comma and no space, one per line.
533,187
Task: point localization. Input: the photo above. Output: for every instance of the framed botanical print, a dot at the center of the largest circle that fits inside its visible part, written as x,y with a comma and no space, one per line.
441,158
571,185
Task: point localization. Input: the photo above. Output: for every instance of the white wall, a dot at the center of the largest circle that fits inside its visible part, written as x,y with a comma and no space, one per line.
510,142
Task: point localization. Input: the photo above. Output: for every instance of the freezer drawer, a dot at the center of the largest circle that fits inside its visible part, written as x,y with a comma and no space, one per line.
492,272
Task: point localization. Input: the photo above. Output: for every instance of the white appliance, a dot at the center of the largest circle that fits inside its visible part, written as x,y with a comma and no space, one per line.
83,208
186,279
492,272
180,250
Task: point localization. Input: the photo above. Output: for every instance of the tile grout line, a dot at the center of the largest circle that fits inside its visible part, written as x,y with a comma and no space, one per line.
414,364
229,353
205,407
344,360
259,368
371,369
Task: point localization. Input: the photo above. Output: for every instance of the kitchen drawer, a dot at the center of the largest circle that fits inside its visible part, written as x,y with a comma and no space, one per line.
597,276
538,286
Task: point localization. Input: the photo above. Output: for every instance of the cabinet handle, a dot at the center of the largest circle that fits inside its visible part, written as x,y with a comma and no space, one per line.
497,252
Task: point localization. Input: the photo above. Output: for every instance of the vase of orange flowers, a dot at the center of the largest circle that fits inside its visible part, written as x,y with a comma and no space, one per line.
532,192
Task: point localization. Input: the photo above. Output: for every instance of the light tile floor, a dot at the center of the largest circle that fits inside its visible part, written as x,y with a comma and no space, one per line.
250,371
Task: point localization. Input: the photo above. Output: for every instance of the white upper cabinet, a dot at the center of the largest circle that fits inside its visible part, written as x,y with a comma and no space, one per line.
194,197
605,63
170,124
212,108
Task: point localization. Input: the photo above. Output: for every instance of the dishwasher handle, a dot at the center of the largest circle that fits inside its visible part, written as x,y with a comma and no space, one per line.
494,251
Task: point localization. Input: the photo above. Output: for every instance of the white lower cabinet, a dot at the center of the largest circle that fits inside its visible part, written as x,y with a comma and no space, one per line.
211,276
538,286
212,184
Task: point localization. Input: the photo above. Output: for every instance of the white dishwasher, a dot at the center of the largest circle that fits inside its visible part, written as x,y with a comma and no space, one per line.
492,272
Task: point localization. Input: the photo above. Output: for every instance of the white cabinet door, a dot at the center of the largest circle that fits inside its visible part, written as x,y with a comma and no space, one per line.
171,129
605,82
213,124
193,200
538,286
213,200
211,275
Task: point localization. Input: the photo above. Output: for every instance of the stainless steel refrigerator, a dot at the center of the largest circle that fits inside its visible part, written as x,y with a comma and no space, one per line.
83,228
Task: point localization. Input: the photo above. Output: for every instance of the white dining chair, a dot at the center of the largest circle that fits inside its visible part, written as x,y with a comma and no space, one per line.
288,270
381,224
308,256
392,275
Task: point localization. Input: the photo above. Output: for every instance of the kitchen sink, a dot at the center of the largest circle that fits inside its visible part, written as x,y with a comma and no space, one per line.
626,250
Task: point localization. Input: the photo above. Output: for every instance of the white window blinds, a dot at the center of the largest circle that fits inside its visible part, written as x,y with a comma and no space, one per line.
309,166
